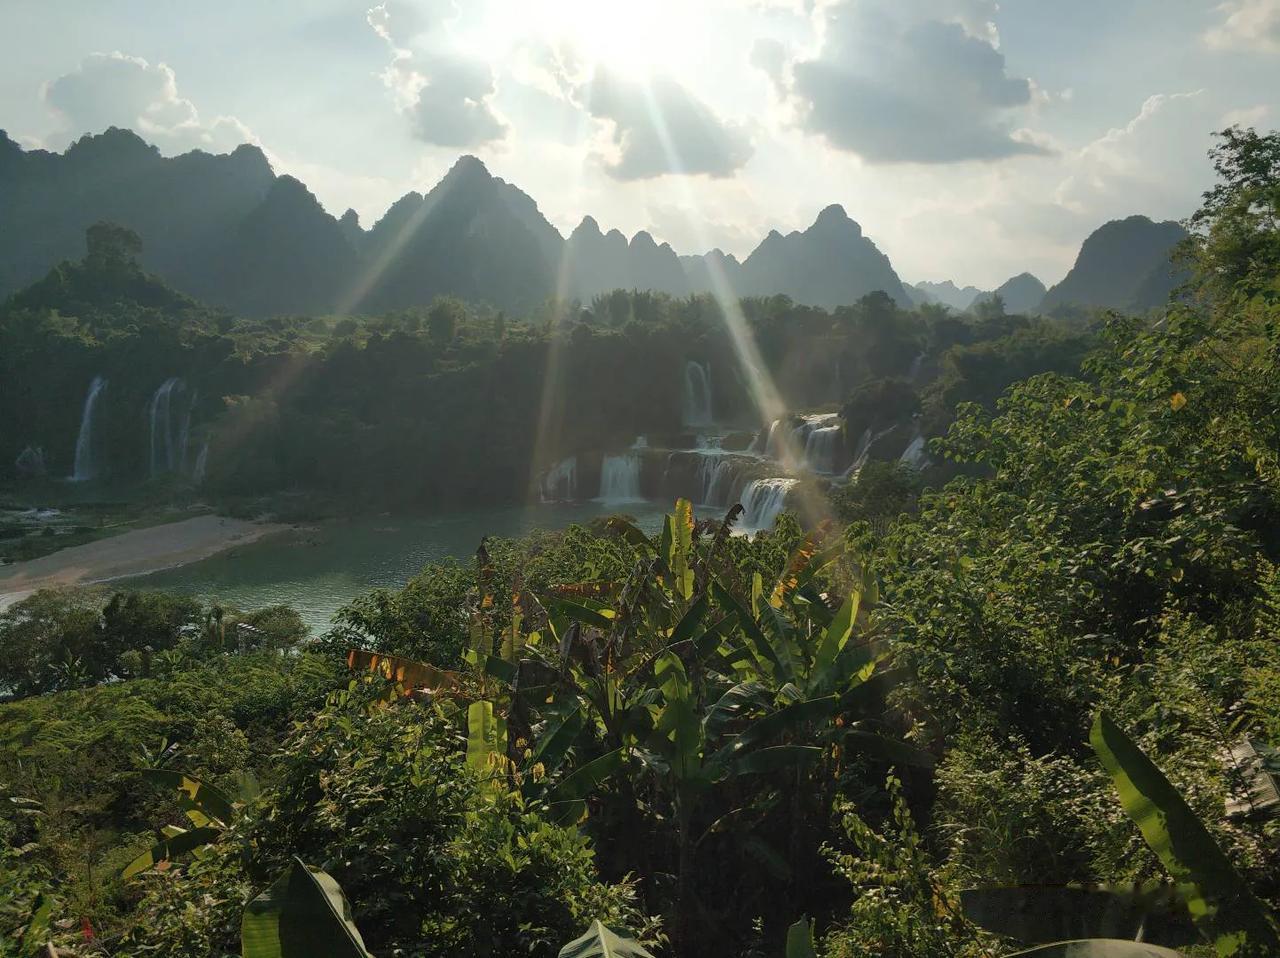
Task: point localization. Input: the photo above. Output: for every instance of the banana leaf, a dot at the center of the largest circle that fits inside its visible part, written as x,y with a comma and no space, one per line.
194,794
600,942
486,737
1098,948
567,800
1035,914
1219,899
304,914
170,847
412,675
800,940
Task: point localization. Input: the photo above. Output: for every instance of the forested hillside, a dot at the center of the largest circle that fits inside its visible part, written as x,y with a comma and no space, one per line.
1037,703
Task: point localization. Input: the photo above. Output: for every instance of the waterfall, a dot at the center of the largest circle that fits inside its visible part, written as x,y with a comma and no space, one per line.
865,445
620,478
166,456
715,478
822,449
763,501
915,455
202,464
790,441
85,466
697,394
914,372
560,484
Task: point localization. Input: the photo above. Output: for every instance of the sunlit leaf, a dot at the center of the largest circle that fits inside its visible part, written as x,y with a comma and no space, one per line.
304,914
180,843
600,942
1219,899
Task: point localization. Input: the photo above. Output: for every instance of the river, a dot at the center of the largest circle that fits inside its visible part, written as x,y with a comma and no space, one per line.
320,568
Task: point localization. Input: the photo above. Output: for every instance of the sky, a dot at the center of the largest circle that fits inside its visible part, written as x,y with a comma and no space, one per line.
972,140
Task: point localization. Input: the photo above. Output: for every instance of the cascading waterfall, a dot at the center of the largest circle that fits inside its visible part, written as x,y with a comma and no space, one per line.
620,478
790,442
715,478
865,445
202,464
697,394
85,465
560,484
167,436
763,501
822,449
915,455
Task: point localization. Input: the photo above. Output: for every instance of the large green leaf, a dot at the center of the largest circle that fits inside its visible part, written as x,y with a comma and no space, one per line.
688,624
202,797
800,940
568,799
1098,948
1219,899
600,942
837,634
767,728
303,915
764,760
486,738
577,611
1035,914
557,738
681,548
887,749
678,729
177,842
766,656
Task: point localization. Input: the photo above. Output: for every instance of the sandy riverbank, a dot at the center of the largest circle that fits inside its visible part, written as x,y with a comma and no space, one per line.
131,553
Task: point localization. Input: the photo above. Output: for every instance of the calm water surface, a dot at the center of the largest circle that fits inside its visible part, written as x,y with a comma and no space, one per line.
320,568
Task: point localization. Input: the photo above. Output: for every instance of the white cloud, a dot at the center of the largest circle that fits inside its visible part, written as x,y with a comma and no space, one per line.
657,127
1150,165
114,89
448,96
905,81
1247,25
1246,116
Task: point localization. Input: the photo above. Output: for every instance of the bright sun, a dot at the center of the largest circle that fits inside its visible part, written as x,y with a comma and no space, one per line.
635,38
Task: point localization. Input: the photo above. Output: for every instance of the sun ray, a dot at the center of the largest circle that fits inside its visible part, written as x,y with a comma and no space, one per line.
764,393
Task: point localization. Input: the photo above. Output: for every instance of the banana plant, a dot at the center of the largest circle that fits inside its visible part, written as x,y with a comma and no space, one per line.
304,914
209,811
1220,901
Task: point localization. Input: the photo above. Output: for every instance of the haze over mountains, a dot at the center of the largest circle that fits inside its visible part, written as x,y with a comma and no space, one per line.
227,230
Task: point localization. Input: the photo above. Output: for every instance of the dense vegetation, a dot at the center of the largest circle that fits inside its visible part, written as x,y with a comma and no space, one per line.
1041,702
442,405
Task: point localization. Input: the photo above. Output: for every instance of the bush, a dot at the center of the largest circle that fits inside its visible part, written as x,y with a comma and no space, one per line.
434,860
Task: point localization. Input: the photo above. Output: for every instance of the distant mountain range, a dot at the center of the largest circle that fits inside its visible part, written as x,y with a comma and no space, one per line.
1125,264
945,293
229,231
